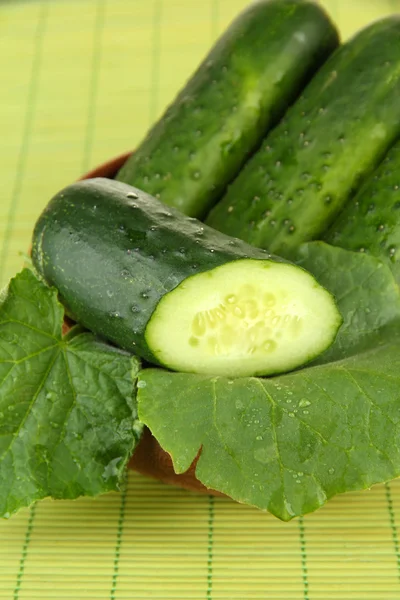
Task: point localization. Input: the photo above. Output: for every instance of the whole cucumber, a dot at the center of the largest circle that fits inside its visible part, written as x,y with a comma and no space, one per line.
370,222
330,140
237,94
166,287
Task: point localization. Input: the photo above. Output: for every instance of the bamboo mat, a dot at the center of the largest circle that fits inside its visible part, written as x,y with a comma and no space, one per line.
81,81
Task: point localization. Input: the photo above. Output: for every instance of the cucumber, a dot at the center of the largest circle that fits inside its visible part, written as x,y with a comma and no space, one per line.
177,293
370,222
240,90
330,140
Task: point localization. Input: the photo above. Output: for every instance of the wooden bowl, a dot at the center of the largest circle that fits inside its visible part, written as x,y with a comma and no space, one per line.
149,458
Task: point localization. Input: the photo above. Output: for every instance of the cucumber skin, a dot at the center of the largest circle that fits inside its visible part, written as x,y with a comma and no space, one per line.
239,91
370,222
119,256
330,140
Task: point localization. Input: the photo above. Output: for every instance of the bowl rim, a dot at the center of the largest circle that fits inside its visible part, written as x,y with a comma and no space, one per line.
109,168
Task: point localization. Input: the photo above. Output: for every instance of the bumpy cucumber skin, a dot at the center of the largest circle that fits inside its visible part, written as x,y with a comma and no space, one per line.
239,91
330,140
119,255
370,222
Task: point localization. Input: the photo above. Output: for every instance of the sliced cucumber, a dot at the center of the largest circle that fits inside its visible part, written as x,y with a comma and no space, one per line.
175,291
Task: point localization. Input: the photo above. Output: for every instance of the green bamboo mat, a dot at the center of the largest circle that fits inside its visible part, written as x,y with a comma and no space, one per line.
81,82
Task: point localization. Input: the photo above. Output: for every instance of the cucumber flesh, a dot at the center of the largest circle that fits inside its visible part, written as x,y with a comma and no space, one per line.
247,317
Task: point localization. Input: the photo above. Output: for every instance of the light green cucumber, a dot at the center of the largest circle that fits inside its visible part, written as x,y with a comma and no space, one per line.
328,143
244,85
370,222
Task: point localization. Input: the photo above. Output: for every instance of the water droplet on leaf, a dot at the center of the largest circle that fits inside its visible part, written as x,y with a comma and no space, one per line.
304,402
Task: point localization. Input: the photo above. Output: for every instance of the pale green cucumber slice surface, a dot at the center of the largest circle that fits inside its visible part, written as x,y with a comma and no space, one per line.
247,317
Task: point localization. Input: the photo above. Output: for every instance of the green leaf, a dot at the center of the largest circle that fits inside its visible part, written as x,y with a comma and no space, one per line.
365,290
68,415
286,444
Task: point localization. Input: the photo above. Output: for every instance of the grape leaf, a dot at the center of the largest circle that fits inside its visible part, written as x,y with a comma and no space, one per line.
286,444
68,415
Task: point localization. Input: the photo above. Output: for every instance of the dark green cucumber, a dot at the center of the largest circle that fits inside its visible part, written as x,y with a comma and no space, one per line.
330,140
370,222
240,90
177,293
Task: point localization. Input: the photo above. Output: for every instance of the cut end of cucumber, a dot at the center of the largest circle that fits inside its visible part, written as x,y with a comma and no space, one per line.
247,317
